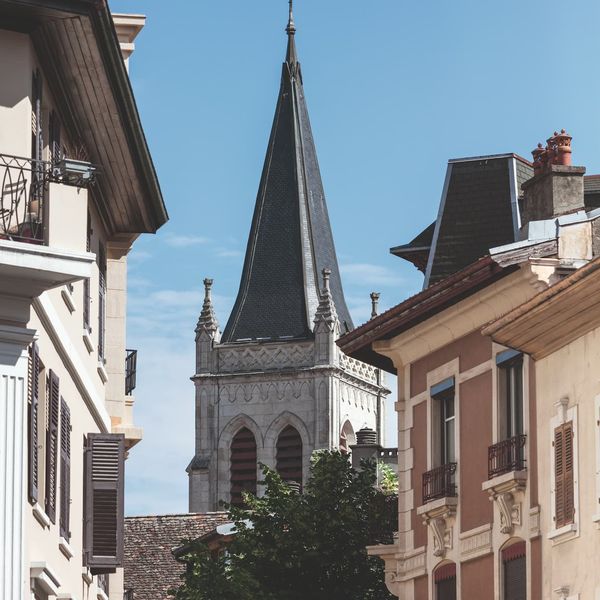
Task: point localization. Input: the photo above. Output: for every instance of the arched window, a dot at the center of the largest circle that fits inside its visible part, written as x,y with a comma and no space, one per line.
514,571
347,438
243,465
444,578
289,455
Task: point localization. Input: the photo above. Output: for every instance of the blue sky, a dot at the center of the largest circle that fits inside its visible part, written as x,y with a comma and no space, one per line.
394,88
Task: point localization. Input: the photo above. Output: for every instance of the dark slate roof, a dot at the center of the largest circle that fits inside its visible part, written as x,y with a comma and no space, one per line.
417,250
478,211
290,239
150,568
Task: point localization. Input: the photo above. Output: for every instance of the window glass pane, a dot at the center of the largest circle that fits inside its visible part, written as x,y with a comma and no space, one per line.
515,582
450,446
446,590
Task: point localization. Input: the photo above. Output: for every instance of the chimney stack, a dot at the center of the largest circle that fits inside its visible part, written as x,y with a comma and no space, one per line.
556,187
127,28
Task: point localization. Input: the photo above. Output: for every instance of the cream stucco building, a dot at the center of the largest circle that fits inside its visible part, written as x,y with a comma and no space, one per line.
77,187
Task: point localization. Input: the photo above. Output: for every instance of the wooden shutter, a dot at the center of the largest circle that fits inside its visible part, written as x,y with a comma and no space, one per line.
65,470
52,445
243,465
32,423
289,455
104,466
564,495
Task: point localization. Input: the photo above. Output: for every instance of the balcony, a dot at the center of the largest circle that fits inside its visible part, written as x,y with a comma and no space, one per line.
24,185
103,582
507,456
439,483
130,371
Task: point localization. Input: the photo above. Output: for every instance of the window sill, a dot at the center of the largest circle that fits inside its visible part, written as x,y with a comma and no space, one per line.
87,340
65,548
102,372
563,534
68,300
101,595
41,516
87,576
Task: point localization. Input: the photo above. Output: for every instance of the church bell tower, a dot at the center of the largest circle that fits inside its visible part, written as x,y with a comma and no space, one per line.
274,386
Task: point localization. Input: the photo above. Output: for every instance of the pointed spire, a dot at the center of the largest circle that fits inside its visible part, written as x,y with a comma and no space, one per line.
291,57
207,321
326,312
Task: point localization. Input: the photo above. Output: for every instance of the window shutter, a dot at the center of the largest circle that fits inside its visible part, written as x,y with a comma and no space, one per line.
564,504
65,470
32,422
54,127
104,465
52,445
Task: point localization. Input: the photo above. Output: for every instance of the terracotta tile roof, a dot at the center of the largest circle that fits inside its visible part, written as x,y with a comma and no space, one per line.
150,568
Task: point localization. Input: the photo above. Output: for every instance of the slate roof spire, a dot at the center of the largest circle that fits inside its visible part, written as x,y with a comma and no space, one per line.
290,240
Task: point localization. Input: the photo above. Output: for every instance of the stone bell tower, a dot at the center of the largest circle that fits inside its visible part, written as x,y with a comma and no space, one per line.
275,386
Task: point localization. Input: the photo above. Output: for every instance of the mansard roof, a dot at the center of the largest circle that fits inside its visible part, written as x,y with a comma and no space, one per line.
290,239
479,210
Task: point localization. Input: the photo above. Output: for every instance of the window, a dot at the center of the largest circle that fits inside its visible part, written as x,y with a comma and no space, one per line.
243,465
444,442
445,582
101,303
514,572
347,438
289,455
510,394
564,492
87,299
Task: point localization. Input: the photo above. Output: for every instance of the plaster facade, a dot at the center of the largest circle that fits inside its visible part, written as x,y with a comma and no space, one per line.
44,300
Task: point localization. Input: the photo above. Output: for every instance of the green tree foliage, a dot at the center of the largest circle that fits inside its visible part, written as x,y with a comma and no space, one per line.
299,546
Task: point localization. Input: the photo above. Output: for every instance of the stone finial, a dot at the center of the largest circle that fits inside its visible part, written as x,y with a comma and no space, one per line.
326,312
291,27
207,321
374,304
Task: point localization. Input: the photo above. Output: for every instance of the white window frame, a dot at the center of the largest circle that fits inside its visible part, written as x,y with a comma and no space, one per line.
564,415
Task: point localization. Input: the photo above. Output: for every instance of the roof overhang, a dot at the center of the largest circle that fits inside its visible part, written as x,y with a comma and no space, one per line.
78,49
553,318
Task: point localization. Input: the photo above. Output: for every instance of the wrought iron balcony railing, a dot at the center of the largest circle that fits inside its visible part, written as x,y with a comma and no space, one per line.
506,456
23,186
439,483
130,371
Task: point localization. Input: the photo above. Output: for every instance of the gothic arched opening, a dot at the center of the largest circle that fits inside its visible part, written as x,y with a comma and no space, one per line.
289,455
347,438
243,465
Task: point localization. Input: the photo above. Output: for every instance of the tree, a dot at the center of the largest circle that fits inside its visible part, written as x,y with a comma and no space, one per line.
291,546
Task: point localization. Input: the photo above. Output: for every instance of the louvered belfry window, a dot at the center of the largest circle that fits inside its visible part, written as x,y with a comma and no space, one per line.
33,475
65,470
104,479
515,572
289,455
52,445
243,465
564,496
